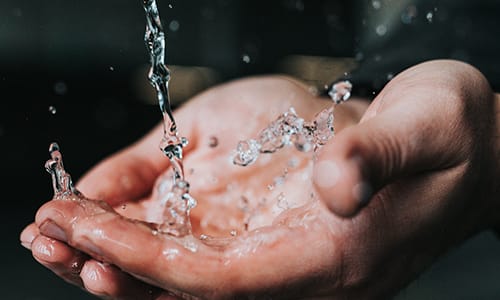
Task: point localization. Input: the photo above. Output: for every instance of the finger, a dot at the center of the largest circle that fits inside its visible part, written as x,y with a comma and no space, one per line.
403,139
28,235
188,266
98,278
106,280
101,234
130,174
59,258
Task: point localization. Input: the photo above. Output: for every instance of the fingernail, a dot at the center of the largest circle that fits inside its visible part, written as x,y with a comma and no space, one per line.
26,245
49,228
27,238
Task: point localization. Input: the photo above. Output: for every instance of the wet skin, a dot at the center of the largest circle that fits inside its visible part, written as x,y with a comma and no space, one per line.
417,148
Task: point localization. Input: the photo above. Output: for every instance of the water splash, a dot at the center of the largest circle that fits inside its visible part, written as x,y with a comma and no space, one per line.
61,180
290,129
179,203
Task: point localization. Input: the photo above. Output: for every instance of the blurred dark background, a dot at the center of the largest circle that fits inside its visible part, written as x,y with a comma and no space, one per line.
75,72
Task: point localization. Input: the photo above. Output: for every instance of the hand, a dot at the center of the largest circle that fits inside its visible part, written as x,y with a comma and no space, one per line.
90,245
418,175
421,205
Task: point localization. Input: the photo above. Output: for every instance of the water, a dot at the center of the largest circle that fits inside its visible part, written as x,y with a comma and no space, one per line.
61,180
290,129
178,202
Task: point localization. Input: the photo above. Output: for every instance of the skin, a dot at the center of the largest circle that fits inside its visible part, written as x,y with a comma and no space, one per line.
404,180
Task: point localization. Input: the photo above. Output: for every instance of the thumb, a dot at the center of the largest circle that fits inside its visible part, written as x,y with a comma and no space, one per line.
363,158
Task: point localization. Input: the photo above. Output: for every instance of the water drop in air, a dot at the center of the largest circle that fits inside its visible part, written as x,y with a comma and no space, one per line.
429,16
381,30
290,129
52,110
246,58
174,25
61,180
340,91
247,152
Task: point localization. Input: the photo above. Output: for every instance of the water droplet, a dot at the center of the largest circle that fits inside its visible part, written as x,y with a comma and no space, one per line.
323,126
203,237
154,232
61,180
170,253
174,25
381,30
280,180
293,162
390,76
313,90
233,232
111,68
124,206
429,16
282,203
270,187
60,88
376,4
52,110
304,141
247,152
213,142
246,58
75,266
340,91
170,6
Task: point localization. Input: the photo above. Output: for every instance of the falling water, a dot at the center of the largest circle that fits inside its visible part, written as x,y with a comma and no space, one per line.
178,202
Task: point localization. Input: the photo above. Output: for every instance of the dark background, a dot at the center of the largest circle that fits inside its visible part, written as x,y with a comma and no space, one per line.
87,60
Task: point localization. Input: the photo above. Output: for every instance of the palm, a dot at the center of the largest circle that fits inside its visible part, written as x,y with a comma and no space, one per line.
275,195
289,244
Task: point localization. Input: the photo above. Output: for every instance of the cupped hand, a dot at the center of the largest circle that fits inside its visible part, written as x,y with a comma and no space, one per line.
265,233
417,176
412,179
